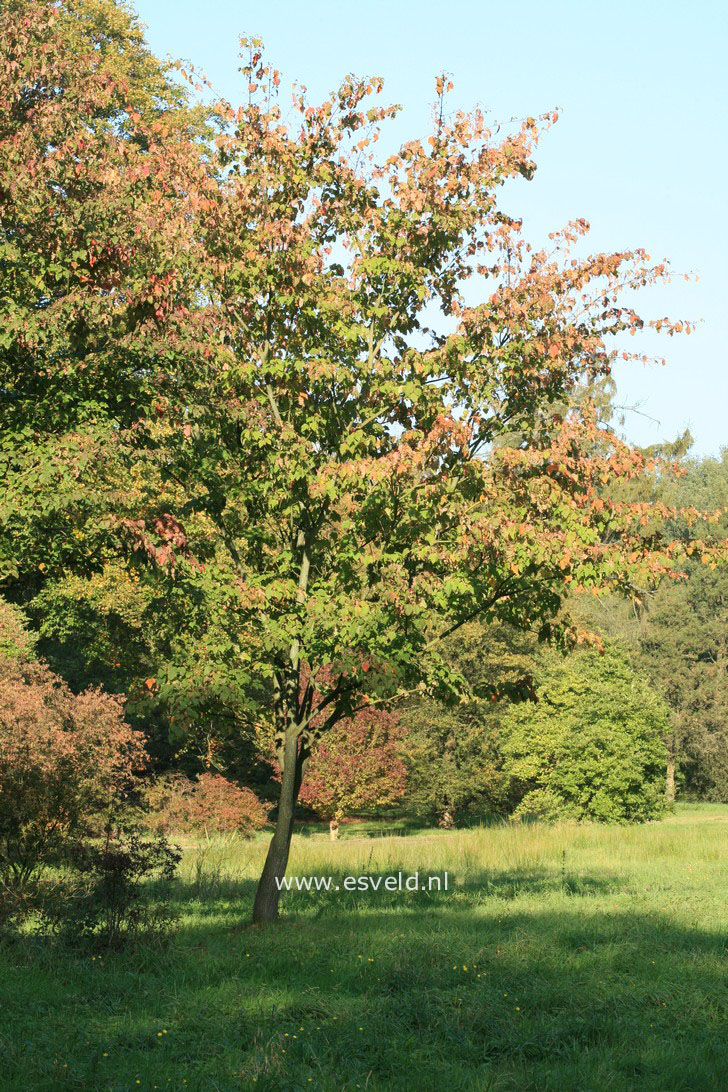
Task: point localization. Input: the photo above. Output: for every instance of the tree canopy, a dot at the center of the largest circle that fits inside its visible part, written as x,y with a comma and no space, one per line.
593,747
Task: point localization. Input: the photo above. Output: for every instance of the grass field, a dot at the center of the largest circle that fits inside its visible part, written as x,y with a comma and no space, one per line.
587,958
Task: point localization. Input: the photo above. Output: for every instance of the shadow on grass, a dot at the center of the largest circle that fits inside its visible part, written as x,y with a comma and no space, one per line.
471,989
212,892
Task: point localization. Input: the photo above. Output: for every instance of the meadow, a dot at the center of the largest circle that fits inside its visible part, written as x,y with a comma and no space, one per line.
568,957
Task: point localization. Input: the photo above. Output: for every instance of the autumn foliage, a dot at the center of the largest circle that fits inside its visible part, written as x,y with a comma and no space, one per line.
64,759
357,766
96,168
211,803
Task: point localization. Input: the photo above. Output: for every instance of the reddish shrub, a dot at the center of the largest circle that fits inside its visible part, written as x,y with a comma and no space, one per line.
357,766
211,803
63,759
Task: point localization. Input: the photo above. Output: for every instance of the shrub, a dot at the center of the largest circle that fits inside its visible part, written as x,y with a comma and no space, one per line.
64,759
592,747
211,803
107,900
16,643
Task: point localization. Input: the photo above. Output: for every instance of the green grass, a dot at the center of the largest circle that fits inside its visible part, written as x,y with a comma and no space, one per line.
589,958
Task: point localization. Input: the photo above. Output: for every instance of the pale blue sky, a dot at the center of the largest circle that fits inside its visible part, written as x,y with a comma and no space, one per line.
640,150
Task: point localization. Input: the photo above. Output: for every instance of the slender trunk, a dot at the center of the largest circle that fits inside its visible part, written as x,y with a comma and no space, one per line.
293,757
267,897
333,829
670,779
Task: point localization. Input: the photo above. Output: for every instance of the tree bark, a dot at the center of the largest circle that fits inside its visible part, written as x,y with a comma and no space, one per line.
267,897
670,779
333,829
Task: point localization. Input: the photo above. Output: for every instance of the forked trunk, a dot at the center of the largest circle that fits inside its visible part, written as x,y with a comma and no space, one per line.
267,897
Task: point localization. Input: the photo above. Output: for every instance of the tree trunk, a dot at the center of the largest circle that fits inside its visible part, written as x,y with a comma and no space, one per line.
267,897
333,829
670,779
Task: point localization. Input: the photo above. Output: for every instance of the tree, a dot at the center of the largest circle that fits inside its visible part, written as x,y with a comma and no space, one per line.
593,747
102,162
333,419
453,754
349,456
682,646
676,633
210,803
99,162
357,766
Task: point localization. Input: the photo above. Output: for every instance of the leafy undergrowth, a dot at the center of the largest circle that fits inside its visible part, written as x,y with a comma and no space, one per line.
566,958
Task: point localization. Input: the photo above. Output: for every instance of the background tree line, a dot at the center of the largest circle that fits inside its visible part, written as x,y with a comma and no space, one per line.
112,631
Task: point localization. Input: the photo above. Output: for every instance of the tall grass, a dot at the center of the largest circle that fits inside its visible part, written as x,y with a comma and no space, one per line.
691,838
565,958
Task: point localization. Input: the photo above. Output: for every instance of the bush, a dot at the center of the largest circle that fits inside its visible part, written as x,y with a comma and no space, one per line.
107,900
64,759
592,747
212,803
16,643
